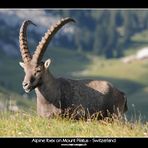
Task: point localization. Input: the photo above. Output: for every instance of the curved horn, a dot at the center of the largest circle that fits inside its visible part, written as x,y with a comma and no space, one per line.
26,56
41,48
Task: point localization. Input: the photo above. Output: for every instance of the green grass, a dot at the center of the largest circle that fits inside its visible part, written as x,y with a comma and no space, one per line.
27,125
138,41
136,71
140,37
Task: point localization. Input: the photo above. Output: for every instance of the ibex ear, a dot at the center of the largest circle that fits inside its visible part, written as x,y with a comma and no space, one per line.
47,63
21,64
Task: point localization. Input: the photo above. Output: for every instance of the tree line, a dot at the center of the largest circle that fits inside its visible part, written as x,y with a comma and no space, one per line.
104,32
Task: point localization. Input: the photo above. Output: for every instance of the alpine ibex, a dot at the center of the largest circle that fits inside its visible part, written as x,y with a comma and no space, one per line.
57,95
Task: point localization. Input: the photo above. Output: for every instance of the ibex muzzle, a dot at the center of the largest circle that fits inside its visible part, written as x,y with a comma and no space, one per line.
33,75
57,95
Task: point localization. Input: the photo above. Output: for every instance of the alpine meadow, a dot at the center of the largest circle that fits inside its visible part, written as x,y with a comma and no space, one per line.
107,47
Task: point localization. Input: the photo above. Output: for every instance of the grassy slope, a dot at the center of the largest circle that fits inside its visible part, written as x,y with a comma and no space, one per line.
131,78
24,124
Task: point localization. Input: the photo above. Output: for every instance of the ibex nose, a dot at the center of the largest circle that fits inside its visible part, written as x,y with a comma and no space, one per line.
25,84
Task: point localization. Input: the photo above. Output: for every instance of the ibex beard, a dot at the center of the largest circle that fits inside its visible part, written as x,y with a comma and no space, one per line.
58,95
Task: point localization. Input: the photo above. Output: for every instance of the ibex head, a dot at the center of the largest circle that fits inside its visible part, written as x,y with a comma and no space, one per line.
33,66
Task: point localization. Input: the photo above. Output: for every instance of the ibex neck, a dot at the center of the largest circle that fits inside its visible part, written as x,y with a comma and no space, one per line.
48,95
48,86
49,89
48,79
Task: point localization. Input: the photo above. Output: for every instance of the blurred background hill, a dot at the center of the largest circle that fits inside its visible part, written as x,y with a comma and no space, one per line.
93,47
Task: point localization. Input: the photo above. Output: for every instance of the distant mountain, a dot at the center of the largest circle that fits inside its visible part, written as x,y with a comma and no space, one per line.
10,22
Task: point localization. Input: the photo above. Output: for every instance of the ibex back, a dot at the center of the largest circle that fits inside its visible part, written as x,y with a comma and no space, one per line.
59,95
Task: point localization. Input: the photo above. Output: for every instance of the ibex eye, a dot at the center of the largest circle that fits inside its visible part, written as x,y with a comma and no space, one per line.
39,70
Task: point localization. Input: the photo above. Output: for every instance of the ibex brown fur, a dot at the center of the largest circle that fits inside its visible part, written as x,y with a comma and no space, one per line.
59,95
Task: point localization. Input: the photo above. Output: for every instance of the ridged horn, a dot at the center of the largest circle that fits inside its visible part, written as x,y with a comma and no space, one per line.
41,48
26,56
